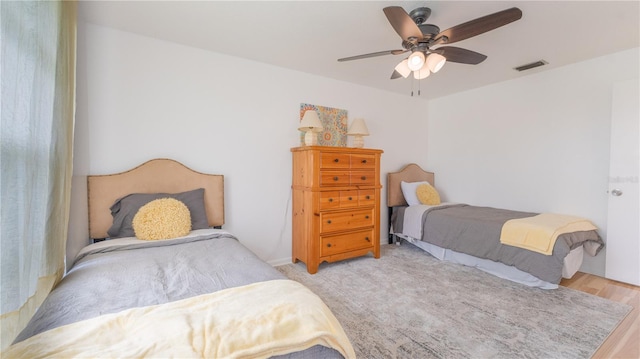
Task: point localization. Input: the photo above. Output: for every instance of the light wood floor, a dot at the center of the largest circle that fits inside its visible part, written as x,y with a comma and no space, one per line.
624,342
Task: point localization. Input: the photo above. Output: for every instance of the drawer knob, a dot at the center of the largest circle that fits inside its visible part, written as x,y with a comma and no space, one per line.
329,222
350,198
330,199
367,239
335,178
336,160
364,178
364,161
366,217
368,197
328,244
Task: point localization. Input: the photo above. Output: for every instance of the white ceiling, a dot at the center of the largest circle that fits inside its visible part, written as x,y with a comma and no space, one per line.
310,36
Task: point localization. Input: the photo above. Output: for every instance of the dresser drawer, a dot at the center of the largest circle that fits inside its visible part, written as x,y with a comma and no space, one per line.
341,199
366,197
346,242
343,220
335,160
349,199
359,161
330,200
363,178
335,178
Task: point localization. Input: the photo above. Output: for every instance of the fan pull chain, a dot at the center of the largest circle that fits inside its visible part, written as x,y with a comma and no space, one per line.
411,86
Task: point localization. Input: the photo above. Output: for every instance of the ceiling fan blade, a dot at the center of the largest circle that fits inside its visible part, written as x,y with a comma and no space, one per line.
373,54
395,75
459,55
481,25
402,23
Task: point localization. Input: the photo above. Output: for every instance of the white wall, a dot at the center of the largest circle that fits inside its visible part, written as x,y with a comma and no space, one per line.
539,143
141,98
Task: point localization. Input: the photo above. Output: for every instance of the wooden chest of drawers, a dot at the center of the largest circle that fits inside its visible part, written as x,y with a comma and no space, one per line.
336,204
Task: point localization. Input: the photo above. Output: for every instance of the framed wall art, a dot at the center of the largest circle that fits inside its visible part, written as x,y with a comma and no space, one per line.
334,123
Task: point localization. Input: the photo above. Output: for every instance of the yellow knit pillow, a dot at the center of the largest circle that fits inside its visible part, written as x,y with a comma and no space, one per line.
162,218
427,194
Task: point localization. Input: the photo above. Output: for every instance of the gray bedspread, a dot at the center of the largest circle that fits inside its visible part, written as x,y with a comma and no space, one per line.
476,231
110,279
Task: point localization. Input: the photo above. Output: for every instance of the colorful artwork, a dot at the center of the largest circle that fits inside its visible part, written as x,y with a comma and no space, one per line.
334,121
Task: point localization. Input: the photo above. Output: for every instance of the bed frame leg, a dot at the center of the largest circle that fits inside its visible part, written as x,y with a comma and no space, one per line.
398,240
389,212
394,239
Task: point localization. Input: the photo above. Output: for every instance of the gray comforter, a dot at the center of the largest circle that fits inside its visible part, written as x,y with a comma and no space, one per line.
109,279
476,231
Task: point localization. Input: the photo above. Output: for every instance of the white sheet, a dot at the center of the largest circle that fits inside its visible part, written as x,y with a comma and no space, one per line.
412,221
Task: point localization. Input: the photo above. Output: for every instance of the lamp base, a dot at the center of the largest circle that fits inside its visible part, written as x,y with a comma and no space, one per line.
358,141
310,138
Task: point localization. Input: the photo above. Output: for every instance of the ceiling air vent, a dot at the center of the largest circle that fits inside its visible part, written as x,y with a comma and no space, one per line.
531,65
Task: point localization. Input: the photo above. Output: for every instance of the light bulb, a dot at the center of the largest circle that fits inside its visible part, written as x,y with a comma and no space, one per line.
416,60
435,62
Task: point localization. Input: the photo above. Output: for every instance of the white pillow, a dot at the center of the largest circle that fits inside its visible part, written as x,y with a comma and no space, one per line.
409,191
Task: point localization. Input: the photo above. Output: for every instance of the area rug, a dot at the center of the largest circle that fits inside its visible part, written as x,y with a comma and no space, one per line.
407,304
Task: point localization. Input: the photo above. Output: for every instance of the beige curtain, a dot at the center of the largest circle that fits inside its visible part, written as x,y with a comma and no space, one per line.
36,122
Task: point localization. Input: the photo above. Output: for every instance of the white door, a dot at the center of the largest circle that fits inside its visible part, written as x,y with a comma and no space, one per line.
623,222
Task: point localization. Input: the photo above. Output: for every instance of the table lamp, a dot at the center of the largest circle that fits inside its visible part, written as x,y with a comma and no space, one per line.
358,129
311,125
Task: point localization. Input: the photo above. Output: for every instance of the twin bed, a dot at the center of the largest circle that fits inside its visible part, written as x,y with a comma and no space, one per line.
202,294
473,235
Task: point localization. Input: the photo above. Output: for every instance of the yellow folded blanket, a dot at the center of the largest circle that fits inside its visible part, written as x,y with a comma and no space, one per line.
259,320
539,233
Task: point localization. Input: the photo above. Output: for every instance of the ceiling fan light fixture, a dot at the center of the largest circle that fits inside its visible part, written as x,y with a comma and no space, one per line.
416,60
435,62
403,68
422,73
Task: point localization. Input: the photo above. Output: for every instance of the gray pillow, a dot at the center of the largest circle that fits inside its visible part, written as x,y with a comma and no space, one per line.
125,208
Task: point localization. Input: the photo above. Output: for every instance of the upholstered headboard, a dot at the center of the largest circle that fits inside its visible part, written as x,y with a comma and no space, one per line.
154,176
410,173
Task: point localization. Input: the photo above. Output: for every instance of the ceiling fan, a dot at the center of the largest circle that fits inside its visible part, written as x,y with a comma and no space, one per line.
420,39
